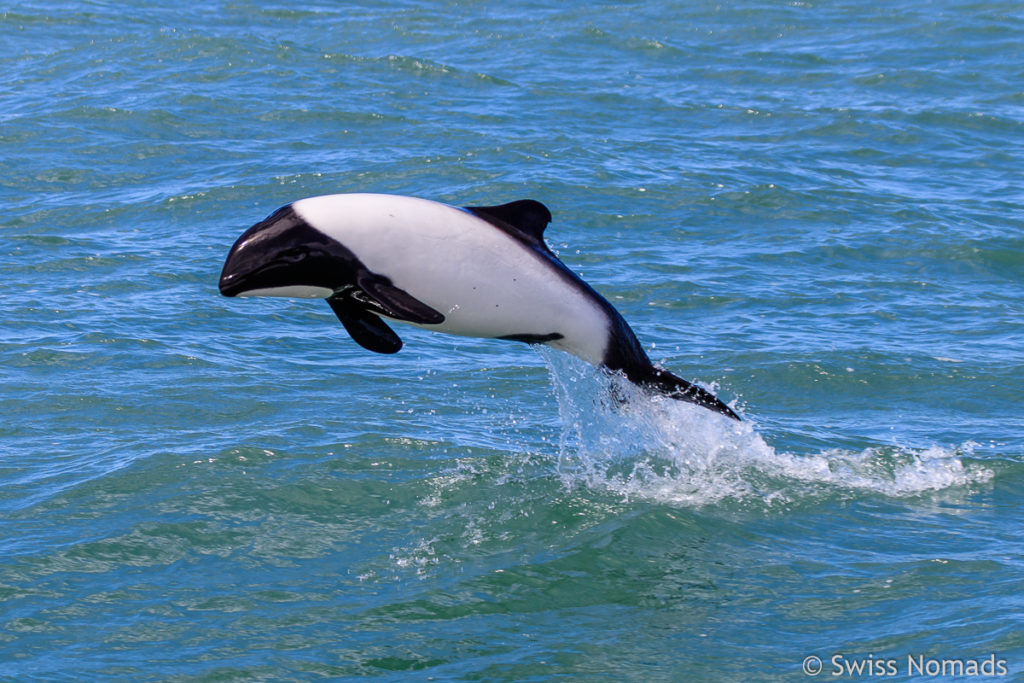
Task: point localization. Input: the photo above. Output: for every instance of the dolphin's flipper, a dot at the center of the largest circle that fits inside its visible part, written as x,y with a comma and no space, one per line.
527,216
393,302
367,330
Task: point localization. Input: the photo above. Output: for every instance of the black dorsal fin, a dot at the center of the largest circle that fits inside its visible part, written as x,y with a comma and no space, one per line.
527,216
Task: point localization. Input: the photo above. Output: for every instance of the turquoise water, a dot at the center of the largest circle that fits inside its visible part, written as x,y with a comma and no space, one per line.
814,208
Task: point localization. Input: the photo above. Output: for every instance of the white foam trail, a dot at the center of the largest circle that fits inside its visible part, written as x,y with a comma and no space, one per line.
618,438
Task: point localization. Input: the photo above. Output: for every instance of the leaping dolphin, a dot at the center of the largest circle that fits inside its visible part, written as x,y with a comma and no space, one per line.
481,271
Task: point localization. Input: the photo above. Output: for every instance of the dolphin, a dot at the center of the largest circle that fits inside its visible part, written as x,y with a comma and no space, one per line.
478,271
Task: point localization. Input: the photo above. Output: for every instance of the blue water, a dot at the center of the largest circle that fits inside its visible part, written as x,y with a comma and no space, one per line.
814,208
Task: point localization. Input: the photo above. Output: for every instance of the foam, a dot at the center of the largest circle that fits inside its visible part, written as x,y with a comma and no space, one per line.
618,438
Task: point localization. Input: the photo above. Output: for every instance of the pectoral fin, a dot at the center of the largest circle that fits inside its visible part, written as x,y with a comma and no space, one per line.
394,302
367,330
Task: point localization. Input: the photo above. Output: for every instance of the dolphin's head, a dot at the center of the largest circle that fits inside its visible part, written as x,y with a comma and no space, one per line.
283,256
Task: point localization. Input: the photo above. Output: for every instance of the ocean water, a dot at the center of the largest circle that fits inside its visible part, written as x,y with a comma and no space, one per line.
814,208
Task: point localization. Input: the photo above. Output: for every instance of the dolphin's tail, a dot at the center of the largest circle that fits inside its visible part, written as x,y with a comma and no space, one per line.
664,382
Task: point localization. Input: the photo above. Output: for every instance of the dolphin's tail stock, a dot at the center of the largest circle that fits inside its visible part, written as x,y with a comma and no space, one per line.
664,382
626,354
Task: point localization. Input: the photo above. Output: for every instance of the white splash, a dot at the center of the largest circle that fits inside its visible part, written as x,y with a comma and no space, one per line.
618,438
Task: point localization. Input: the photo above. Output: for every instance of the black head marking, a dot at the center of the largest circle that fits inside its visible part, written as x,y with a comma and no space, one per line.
283,250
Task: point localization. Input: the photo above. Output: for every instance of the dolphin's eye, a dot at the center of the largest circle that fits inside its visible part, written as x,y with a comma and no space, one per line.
294,254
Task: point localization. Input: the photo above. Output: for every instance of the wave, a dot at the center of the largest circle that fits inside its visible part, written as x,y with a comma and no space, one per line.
616,437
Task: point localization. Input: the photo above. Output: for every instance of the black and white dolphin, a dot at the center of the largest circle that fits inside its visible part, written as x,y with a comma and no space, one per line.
482,271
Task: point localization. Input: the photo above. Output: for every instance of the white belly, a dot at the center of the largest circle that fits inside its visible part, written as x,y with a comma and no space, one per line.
484,281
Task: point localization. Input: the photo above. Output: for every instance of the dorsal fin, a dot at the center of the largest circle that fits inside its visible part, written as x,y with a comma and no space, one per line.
527,216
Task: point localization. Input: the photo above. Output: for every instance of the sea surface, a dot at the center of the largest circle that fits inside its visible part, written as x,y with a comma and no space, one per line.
814,208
